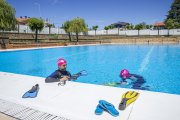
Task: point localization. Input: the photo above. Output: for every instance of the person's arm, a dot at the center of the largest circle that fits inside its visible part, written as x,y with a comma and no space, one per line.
133,77
72,77
75,76
69,74
54,77
50,80
137,78
123,81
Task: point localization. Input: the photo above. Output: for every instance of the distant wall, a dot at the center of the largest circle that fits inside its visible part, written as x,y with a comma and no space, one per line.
148,32
176,32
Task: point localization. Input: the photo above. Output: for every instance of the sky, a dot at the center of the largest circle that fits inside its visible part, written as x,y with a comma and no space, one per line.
94,12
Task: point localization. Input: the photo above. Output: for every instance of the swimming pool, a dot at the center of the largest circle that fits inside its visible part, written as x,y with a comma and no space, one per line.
158,64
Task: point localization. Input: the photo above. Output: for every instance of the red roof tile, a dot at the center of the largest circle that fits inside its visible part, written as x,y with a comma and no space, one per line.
158,24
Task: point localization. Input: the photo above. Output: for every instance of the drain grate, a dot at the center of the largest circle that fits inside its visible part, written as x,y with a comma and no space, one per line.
25,113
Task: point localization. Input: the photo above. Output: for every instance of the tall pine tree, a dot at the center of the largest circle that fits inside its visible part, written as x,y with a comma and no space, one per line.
174,12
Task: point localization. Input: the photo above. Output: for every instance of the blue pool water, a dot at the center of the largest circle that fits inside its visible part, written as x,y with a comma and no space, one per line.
158,64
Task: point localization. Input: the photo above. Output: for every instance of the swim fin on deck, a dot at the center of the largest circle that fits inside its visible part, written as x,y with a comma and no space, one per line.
127,99
32,93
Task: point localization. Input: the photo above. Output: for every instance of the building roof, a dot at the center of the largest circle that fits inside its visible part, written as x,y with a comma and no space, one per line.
121,23
22,21
159,24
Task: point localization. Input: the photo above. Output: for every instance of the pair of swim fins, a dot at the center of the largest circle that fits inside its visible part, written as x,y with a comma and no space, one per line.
32,93
128,98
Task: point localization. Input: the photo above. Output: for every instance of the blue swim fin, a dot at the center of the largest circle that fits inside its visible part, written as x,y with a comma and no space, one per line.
32,93
99,110
109,108
26,95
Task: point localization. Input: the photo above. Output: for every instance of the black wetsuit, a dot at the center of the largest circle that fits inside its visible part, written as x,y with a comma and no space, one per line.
138,81
57,75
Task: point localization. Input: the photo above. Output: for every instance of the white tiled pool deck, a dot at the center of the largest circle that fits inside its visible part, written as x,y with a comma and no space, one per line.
77,101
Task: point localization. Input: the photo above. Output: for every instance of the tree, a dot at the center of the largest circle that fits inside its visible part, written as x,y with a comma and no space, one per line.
66,27
50,26
174,12
170,24
78,25
106,28
111,26
53,26
144,25
36,25
129,26
7,16
177,25
95,28
139,27
149,26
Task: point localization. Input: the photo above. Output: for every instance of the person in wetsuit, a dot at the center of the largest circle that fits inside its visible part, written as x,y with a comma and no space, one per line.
61,74
138,80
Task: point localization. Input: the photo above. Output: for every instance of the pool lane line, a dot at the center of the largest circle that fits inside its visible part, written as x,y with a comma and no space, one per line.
145,61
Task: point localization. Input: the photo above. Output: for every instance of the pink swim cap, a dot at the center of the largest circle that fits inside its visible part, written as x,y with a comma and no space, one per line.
61,61
124,73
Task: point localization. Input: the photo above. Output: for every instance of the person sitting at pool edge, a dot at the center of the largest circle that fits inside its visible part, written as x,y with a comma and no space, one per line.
138,80
61,74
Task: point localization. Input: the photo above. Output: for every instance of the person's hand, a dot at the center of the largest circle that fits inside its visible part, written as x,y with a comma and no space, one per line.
74,77
123,82
64,78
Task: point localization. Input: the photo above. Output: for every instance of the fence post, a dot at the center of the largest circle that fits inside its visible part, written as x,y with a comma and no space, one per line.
27,29
118,30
